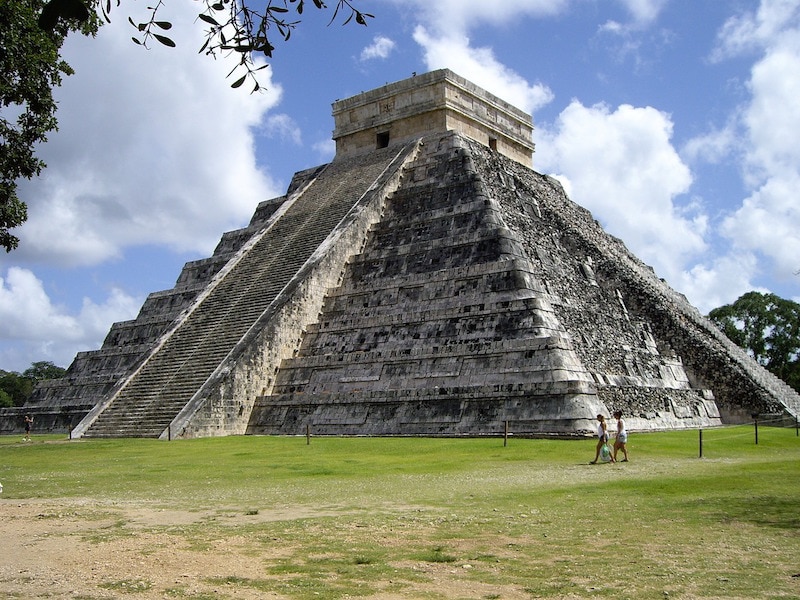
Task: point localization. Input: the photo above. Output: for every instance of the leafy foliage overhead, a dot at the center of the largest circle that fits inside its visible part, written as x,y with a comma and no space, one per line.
768,328
33,31
30,67
244,27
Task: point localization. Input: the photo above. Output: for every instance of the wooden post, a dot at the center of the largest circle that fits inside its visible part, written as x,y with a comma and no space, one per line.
755,423
308,435
505,436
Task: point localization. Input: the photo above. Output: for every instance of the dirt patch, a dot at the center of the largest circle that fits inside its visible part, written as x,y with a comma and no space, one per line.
78,549
85,550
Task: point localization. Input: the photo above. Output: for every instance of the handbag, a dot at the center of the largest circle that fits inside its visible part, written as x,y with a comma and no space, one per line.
605,453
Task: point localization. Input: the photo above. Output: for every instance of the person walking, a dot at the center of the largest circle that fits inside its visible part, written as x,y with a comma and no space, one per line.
28,425
621,441
602,438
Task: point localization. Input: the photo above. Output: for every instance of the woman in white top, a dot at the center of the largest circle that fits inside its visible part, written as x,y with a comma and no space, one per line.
602,437
621,442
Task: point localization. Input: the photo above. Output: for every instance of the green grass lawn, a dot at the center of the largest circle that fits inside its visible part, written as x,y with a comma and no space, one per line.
378,516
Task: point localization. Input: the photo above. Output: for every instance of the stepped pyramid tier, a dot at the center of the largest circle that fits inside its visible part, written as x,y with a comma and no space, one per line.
425,282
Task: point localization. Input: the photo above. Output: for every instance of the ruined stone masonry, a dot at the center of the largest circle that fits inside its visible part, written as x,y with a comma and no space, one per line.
425,282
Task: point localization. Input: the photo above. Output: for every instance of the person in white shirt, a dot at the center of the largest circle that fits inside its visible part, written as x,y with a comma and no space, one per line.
621,441
602,437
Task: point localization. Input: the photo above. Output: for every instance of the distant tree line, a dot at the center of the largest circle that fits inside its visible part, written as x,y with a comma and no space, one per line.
16,388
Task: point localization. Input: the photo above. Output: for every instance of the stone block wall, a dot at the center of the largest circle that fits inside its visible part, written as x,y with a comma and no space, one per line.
434,102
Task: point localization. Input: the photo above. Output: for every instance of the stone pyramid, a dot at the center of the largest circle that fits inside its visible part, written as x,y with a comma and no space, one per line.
425,282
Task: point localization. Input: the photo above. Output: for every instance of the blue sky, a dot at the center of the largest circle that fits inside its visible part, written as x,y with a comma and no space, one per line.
674,122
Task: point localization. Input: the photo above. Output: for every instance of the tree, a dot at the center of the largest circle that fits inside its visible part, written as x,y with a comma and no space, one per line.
768,328
33,31
30,67
242,27
41,370
16,388
6,401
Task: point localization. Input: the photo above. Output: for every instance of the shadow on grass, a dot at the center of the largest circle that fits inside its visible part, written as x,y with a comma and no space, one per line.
767,511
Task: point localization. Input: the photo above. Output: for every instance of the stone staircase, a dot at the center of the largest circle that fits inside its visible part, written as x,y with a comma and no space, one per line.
438,327
191,353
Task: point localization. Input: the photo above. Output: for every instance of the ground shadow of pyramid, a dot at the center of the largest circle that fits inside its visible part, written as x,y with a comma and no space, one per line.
423,283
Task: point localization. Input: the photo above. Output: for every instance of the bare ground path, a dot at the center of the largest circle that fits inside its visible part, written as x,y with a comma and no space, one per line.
85,550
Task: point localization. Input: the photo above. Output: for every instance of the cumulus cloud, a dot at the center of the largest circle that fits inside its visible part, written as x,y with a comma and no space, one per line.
767,221
160,151
621,165
284,127
719,281
773,115
380,48
714,146
480,66
753,30
644,12
458,16
442,32
33,328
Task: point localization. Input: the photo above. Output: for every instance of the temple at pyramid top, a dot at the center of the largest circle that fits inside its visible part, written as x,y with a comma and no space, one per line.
434,102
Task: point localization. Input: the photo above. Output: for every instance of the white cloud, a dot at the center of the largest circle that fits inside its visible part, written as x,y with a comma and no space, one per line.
283,127
644,12
325,149
458,16
480,66
712,147
720,282
751,31
622,166
380,47
773,115
40,330
442,33
153,147
767,221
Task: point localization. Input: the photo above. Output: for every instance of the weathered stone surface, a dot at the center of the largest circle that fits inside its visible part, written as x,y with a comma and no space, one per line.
435,102
432,287
485,296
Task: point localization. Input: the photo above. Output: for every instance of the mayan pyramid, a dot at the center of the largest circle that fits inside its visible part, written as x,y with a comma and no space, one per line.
427,281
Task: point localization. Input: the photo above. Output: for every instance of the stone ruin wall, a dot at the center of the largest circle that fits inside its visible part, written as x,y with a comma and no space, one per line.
436,102
740,386
224,404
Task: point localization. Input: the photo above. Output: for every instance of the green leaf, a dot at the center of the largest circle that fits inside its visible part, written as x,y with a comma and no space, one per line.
239,81
163,24
136,41
278,9
208,19
164,40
